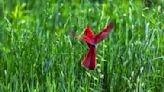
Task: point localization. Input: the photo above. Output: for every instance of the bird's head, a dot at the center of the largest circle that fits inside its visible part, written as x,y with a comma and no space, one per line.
88,32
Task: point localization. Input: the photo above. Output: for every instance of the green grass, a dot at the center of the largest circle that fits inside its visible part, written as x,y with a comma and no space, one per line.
37,54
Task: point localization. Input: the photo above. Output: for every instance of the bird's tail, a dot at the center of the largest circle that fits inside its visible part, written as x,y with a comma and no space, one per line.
90,59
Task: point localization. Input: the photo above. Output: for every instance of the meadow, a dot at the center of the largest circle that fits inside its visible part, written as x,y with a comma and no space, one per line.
37,54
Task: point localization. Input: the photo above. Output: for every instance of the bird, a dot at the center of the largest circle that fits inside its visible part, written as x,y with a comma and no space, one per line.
92,41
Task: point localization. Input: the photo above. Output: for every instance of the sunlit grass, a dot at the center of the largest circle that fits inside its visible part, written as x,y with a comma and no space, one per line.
37,53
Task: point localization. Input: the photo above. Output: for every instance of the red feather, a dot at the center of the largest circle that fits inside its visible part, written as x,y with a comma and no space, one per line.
90,60
88,32
104,33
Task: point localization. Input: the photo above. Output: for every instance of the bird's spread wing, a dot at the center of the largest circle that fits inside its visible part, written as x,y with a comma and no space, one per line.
104,33
86,39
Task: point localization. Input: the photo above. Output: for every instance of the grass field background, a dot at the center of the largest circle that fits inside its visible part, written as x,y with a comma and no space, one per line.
37,54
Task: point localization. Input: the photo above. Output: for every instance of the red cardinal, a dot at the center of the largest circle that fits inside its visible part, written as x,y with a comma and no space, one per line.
92,40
